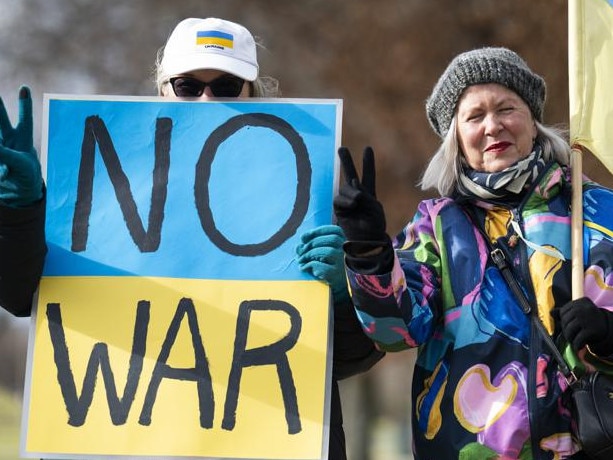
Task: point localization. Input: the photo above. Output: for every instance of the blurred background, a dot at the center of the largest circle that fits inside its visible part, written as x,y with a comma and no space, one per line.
382,58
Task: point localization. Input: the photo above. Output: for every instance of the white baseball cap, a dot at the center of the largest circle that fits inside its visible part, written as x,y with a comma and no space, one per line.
210,43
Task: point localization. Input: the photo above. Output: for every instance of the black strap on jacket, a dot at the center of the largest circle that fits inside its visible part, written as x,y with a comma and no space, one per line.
498,257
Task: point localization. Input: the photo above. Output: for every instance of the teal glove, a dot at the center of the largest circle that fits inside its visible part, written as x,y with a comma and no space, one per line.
321,254
21,182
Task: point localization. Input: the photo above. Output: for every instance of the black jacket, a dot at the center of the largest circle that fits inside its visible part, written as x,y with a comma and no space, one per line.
22,255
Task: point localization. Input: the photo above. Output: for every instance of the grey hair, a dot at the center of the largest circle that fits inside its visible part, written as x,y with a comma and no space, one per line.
263,86
443,170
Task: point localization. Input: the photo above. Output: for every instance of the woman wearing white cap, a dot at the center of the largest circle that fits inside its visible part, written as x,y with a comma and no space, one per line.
206,58
211,57
202,59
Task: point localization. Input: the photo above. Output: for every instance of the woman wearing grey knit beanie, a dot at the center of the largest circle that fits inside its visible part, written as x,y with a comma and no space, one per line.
485,384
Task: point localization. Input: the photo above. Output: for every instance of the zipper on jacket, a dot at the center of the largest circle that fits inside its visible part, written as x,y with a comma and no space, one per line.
534,432
527,297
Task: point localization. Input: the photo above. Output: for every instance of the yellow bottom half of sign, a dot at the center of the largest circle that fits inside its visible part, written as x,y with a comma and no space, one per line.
177,367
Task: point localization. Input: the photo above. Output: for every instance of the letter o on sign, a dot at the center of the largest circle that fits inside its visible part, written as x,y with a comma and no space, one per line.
203,174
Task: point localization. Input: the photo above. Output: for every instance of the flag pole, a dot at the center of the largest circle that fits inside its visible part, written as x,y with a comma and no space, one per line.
577,221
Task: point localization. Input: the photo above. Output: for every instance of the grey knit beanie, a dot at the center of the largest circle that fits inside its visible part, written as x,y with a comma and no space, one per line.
484,65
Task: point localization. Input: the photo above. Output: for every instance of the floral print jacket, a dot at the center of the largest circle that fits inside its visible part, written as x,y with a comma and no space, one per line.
484,384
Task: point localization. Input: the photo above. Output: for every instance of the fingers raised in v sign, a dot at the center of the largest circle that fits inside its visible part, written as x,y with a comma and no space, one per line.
368,170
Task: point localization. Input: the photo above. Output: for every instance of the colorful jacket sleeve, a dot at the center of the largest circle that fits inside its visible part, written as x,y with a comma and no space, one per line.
400,309
22,255
598,236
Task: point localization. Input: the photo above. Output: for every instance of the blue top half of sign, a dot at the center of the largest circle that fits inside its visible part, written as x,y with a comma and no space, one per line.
216,190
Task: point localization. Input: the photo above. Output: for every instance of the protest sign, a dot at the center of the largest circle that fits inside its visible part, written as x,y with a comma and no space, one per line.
172,319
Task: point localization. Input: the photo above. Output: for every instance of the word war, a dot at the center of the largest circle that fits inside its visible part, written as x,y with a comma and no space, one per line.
272,354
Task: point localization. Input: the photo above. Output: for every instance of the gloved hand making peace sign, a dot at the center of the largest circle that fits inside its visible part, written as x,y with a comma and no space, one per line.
21,182
357,209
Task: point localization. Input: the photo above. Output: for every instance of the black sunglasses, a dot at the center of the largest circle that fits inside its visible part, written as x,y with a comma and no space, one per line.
224,86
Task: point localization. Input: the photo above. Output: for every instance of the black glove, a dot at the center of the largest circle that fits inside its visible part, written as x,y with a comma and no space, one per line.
358,212
583,323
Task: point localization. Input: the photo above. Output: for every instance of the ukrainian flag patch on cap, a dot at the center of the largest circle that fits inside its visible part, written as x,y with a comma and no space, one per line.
215,38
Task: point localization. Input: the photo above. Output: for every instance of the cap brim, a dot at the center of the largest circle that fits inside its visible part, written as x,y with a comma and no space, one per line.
193,62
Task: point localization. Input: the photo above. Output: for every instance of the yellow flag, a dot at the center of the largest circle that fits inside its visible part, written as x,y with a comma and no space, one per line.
590,77
590,58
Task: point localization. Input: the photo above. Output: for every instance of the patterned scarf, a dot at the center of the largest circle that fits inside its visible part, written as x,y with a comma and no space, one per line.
507,185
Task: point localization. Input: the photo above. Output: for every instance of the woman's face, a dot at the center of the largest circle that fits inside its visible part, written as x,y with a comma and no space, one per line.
207,76
495,127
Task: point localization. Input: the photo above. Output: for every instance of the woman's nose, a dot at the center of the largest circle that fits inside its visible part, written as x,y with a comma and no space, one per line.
493,124
207,93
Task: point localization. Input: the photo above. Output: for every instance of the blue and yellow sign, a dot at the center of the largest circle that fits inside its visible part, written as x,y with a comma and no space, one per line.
172,319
